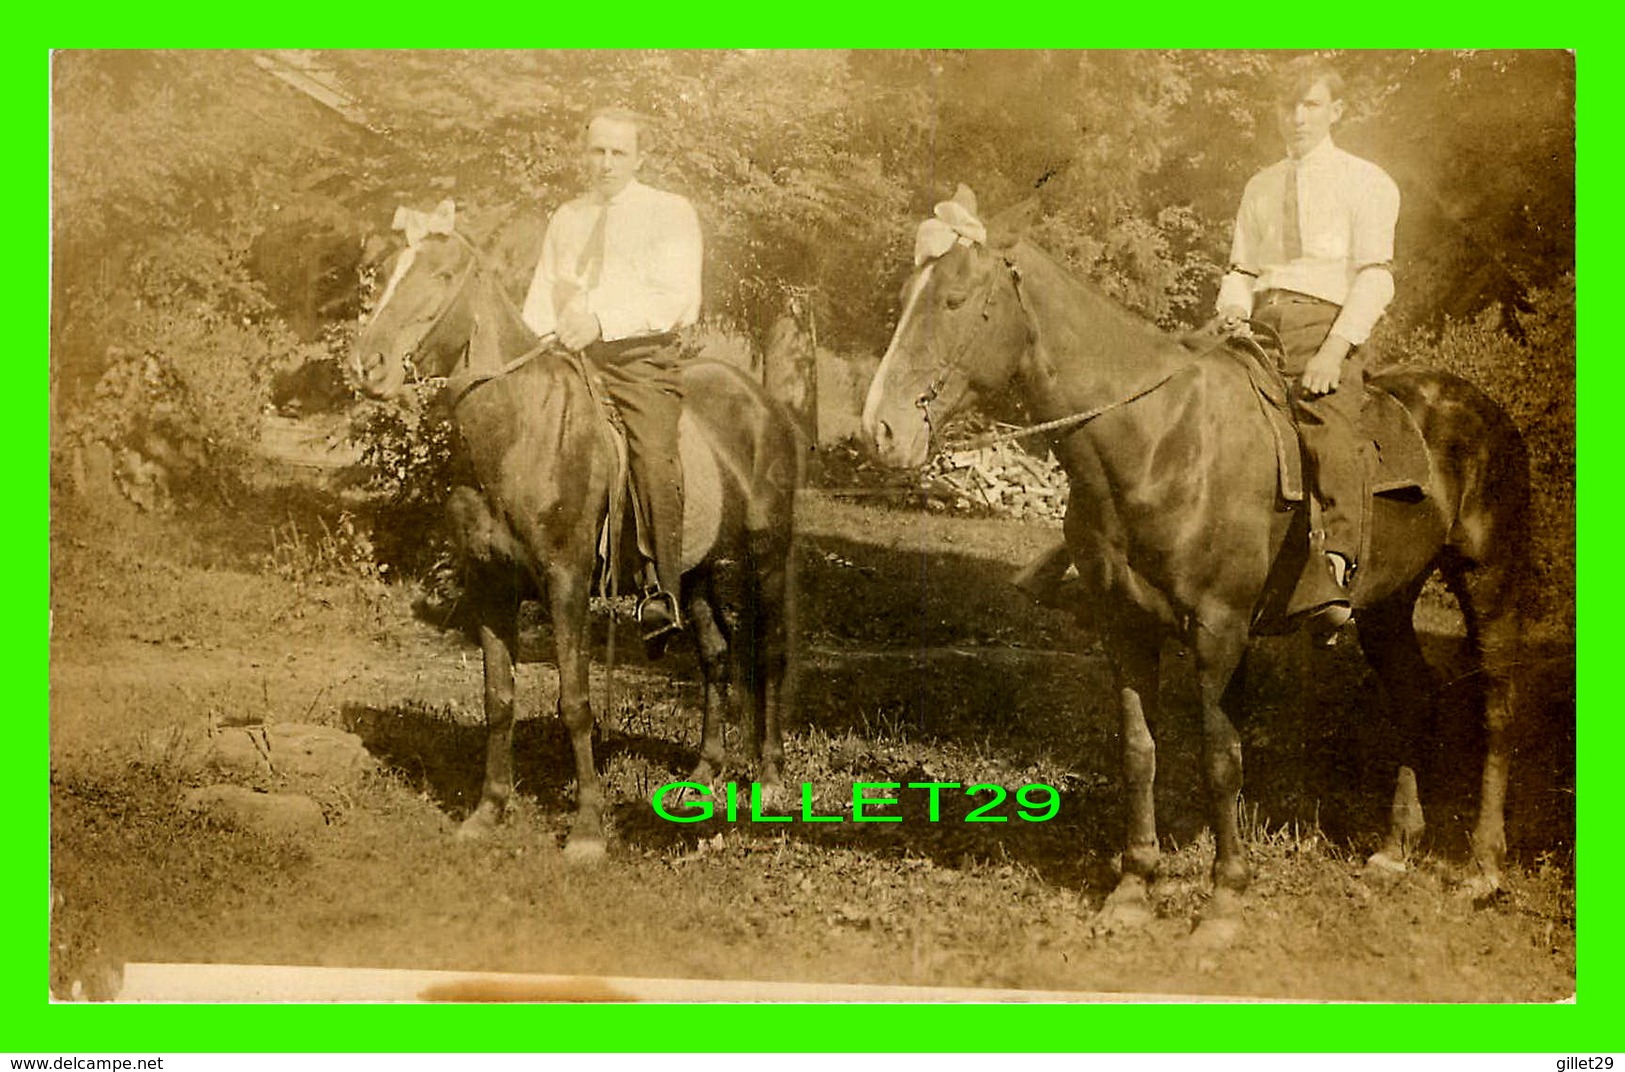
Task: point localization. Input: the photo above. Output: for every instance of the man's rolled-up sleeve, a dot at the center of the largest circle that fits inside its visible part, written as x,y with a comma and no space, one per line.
1371,253
1236,288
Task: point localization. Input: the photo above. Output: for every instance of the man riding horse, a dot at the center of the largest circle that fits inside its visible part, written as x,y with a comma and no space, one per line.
618,276
1310,262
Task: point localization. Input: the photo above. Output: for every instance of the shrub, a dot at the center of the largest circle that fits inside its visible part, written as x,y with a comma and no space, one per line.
406,452
181,400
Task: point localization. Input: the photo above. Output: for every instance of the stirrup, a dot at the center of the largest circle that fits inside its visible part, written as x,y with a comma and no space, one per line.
658,614
1326,621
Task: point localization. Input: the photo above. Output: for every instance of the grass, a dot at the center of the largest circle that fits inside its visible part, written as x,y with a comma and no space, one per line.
919,665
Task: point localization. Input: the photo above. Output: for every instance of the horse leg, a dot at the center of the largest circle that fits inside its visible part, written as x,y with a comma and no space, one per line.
497,609
770,615
712,648
1489,603
771,671
1219,649
1409,691
567,589
1135,665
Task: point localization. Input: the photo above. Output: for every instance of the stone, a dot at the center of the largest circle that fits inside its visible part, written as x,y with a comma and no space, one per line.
277,814
296,749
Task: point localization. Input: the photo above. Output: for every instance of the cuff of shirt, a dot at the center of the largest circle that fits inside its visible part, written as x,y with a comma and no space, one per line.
614,324
1236,288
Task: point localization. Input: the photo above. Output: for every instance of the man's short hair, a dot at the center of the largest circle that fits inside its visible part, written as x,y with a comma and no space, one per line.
639,122
1298,77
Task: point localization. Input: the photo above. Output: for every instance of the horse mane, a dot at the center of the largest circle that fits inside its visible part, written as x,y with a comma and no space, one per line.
1091,321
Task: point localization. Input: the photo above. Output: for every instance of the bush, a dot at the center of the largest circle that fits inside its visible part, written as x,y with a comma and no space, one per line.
181,401
1527,364
406,451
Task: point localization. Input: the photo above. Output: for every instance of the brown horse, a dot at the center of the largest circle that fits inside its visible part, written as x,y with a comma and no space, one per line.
545,465
1176,519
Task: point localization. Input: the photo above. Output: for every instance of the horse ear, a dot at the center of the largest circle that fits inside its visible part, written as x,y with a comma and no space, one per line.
965,197
1006,229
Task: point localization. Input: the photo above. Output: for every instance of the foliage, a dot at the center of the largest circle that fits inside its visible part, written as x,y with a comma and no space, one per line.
407,454
342,551
185,396
163,342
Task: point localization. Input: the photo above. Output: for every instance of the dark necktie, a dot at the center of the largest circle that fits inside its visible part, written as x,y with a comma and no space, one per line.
1291,235
590,265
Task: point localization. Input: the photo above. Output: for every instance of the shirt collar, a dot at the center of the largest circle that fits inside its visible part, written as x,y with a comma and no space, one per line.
626,193
1321,153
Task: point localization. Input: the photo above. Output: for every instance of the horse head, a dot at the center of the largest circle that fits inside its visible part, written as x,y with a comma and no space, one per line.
960,336
422,319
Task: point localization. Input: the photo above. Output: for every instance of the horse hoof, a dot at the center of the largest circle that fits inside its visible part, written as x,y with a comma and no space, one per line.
1215,935
776,798
476,827
1127,909
1483,890
584,851
1384,865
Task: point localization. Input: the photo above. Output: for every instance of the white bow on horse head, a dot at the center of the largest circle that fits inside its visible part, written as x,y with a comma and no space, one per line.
416,225
954,222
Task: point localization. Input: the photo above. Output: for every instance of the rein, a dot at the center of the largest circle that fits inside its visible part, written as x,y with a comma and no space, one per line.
1069,421
463,386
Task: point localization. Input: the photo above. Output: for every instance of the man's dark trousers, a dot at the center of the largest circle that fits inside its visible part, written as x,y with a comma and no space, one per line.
1329,424
641,377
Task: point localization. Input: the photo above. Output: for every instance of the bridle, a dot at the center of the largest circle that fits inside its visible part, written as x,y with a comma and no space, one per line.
456,293
940,380
1073,420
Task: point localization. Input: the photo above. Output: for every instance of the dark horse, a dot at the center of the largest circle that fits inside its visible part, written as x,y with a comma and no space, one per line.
1175,519
542,457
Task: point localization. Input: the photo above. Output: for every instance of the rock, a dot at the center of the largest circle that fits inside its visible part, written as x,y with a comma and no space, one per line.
297,749
320,751
278,814
242,749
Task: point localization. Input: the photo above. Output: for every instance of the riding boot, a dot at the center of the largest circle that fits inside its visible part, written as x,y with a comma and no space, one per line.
660,611
1333,609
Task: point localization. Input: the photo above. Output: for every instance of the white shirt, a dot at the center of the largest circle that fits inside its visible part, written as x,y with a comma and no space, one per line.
649,282
1347,208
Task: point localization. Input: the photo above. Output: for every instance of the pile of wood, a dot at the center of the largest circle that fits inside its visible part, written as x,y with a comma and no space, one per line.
1003,479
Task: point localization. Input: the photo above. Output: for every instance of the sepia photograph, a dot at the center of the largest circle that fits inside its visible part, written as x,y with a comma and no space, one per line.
844,525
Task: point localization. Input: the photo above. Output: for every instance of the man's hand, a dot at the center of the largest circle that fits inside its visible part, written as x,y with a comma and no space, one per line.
1232,320
1325,370
578,328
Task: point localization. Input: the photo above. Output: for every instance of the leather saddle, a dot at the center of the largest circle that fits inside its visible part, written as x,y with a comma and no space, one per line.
1397,458
1397,467
702,494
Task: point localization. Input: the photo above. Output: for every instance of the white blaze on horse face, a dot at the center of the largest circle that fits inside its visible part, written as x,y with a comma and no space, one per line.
880,434
403,264
375,373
